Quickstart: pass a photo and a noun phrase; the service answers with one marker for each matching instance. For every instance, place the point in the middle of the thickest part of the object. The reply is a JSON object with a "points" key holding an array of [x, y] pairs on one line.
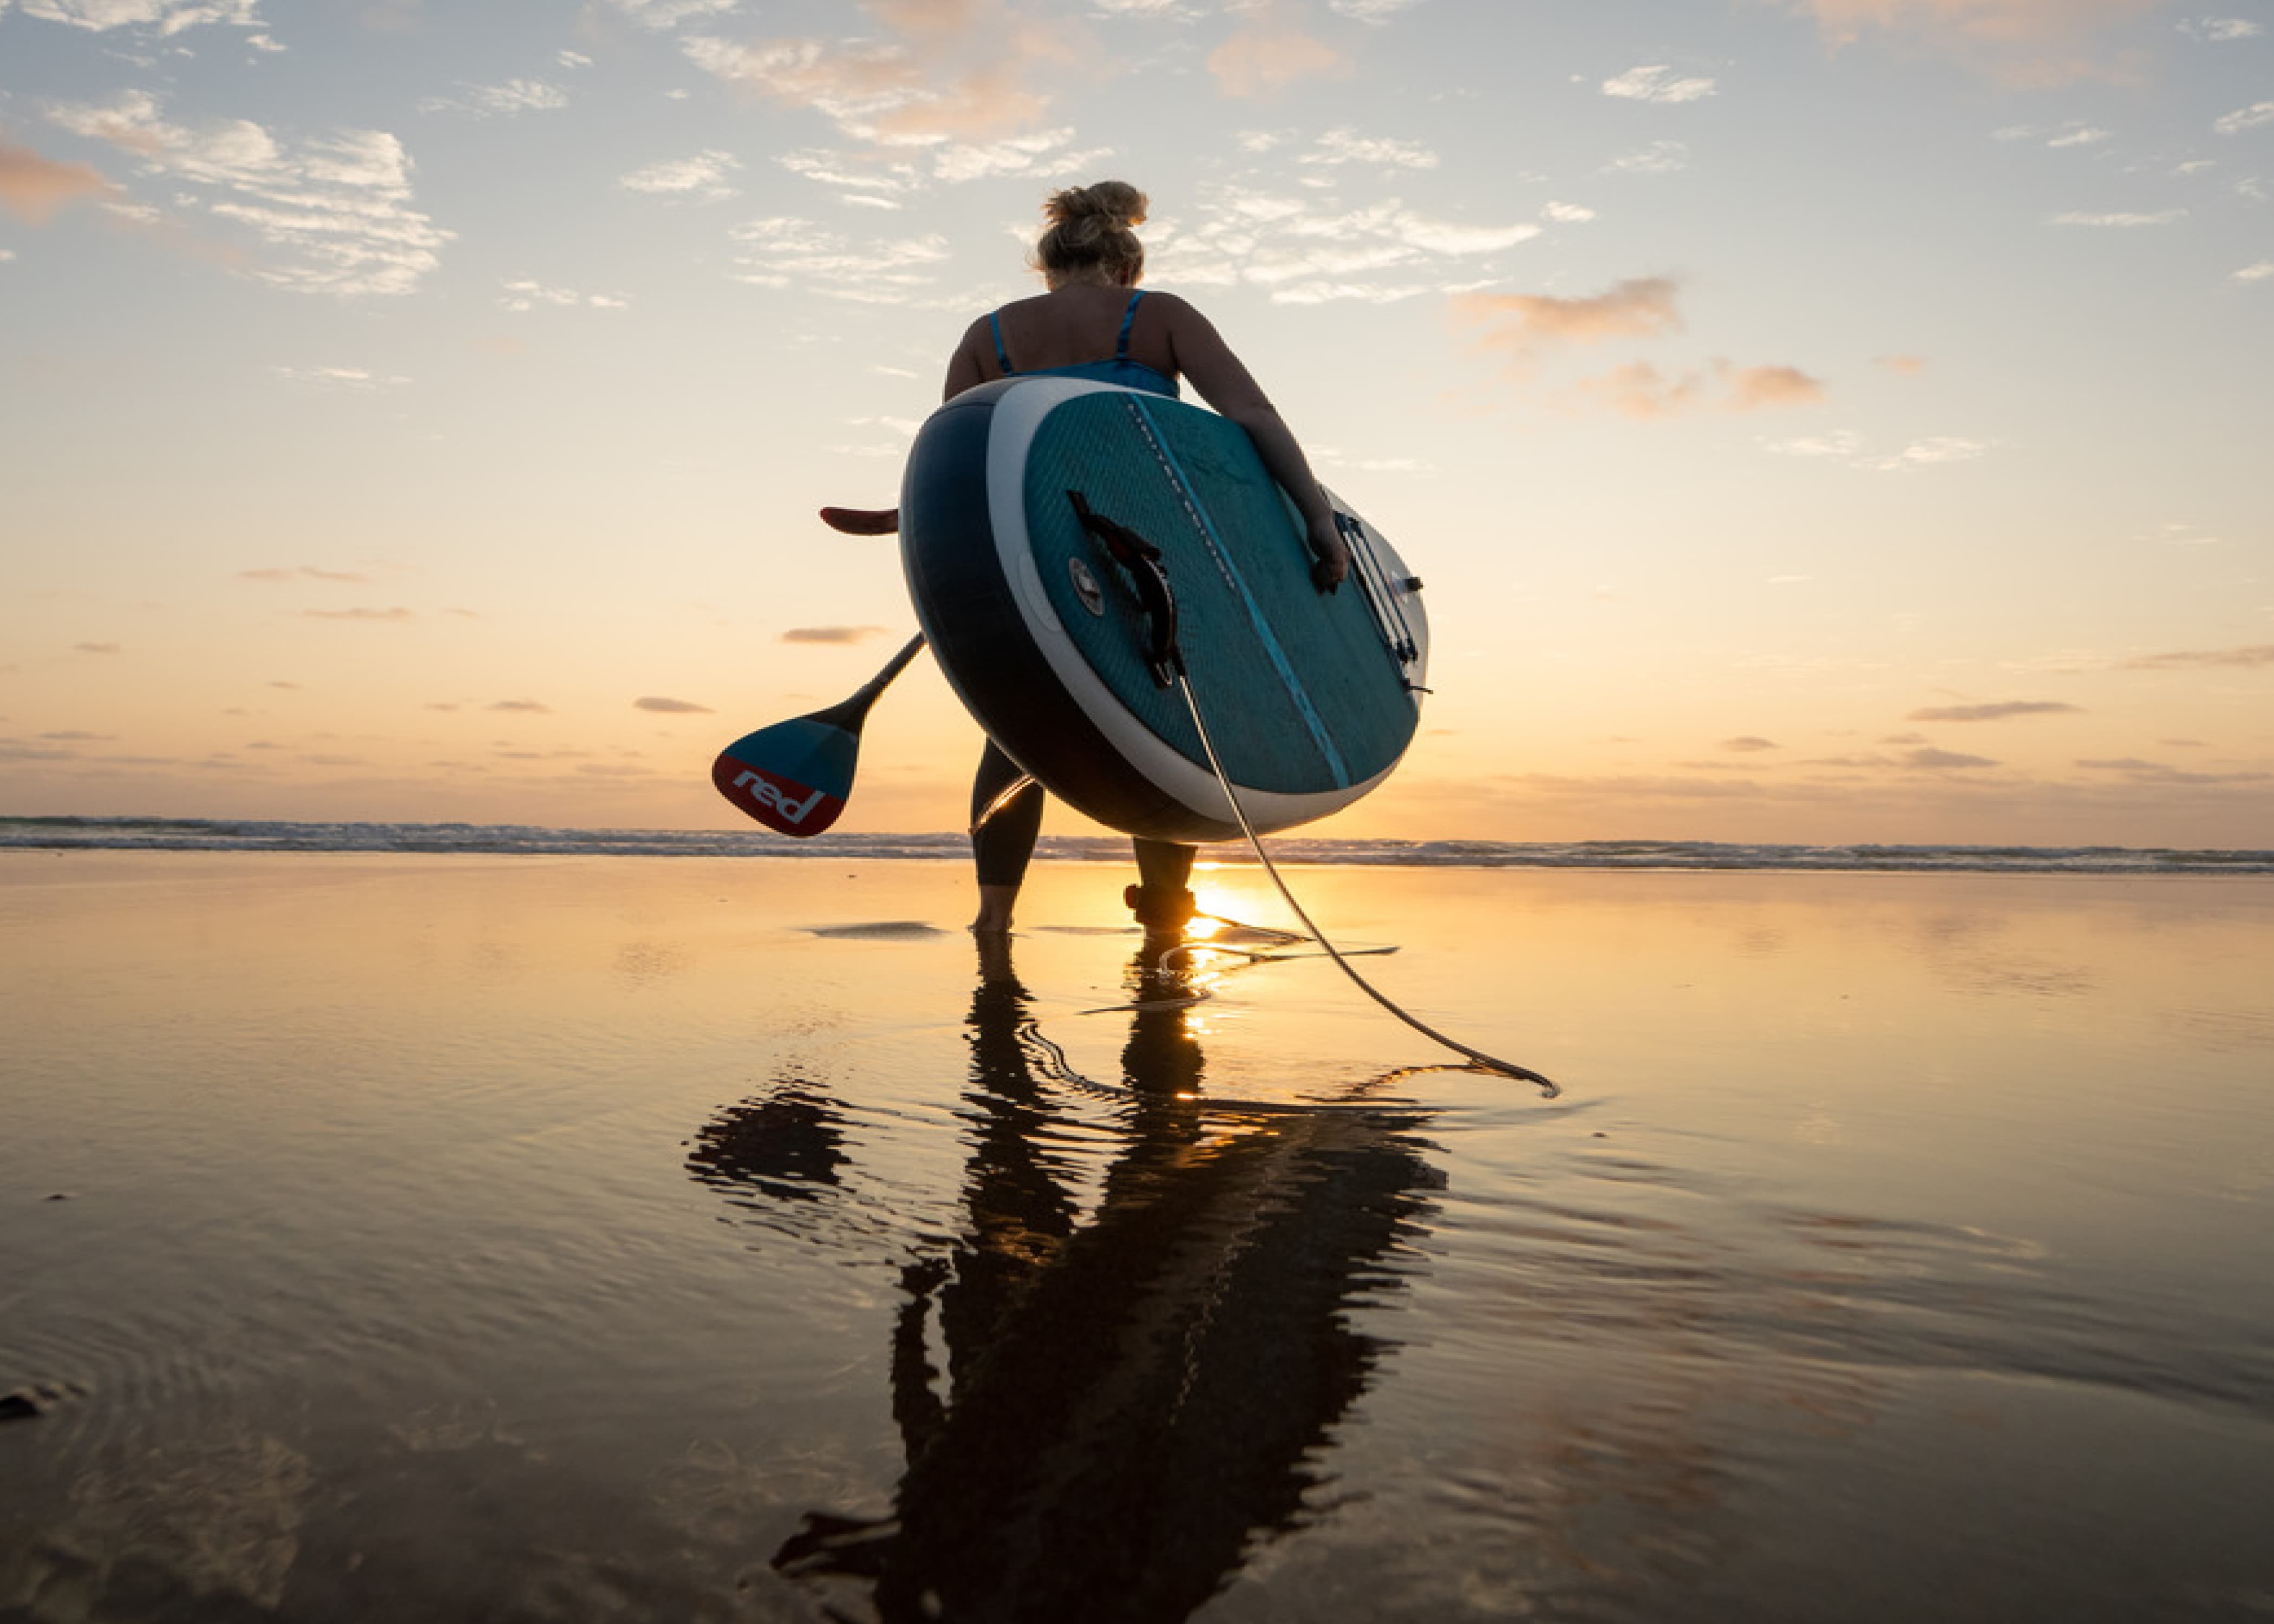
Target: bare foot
{"points": [[995, 905]]}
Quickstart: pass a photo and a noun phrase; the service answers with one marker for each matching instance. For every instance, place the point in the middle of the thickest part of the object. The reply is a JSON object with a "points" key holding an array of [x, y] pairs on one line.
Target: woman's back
{"points": [[1080, 324]]}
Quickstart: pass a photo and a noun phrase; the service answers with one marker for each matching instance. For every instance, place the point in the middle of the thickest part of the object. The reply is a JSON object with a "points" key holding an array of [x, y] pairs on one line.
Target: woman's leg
{"points": [[1162, 900], [1001, 844]]}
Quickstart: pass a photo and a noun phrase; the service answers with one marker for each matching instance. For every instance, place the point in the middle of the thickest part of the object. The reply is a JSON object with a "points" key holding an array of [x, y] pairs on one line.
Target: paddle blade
{"points": [[793, 777]]}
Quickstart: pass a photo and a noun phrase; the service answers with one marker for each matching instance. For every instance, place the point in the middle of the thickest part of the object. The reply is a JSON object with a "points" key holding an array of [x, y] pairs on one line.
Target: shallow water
{"points": [[591, 1238]]}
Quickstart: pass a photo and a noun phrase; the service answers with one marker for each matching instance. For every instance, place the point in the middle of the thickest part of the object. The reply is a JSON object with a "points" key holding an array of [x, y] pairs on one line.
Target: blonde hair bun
{"points": [[1091, 234], [1114, 203]]}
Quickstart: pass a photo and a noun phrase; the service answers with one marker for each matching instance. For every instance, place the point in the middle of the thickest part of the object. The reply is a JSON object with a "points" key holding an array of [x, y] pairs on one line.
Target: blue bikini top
{"points": [[1121, 370]]}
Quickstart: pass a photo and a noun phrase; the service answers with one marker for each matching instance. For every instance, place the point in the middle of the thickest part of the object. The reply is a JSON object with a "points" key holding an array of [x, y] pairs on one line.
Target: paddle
{"points": [[795, 776], [863, 520]]}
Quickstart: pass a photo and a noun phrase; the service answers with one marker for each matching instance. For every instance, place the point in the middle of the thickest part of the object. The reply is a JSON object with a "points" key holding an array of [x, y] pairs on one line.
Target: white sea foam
{"points": [[245, 835]]}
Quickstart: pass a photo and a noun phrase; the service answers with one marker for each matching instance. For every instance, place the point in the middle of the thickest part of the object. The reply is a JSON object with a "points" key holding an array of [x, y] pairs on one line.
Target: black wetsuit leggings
{"points": [[1002, 844]]}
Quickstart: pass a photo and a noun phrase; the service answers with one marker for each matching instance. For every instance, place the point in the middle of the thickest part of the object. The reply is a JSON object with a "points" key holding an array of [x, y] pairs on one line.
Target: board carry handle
{"points": [[1141, 561], [1381, 596]]}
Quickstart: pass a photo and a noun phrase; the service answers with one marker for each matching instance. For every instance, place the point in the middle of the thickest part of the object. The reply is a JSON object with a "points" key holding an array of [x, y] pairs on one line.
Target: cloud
{"points": [[2119, 222], [1265, 59], [783, 250], [969, 69], [531, 706], [2259, 272], [1905, 365], [1567, 214], [34, 188], [1658, 158], [359, 380], [2219, 30], [1376, 12], [1931, 452], [164, 18], [702, 177], [1747, 743], [359, 614], [2141, 771], [1345, 146], [1928, 759], [831, 634], [2258, 654], [1996, 712], [2246, 118], [95, 648], [1522, 324], [1656, 83], [2020, 42], [336, 207], [515, 95], [526, 294], [1845, 447], [1640, 390], [662, 15], [307, 570], [1046, 154], [670, 707], [1753, 388], [1305, 249], [2071, 134]]}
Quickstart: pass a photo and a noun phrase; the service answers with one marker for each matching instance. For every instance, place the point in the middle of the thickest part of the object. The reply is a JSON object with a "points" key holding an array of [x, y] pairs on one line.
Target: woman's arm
{"points": [[1226, 383], [966, 368]]}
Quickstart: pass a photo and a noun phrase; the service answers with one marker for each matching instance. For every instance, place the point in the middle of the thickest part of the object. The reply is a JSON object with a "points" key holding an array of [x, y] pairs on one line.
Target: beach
{"points": [[571, 1237]]}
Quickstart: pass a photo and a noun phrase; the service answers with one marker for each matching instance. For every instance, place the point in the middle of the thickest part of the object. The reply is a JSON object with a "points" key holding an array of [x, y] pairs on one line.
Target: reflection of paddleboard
{"points": [[1050, 639]]}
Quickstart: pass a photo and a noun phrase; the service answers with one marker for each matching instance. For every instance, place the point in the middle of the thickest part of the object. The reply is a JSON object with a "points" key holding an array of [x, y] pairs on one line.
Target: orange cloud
{"points": [[831, 634], [1522, 323], [1264, 60], [1752, 387], [2021, 41], [2256, 654], [1996, 711], [34, 188], [1640, 390], [948, 69]]}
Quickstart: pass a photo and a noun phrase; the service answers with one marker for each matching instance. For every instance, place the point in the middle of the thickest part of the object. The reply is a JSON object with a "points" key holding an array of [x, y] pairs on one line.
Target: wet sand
{"points": [[687, 1239]]}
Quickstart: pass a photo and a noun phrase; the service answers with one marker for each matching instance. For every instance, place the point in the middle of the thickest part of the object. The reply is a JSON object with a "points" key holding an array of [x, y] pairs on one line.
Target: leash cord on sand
{"points": [[1240, 814]]}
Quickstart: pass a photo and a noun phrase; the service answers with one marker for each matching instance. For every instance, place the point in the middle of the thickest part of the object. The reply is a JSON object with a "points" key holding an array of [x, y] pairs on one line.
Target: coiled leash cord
{"points": [[1146, 573], [1476, 1056]]}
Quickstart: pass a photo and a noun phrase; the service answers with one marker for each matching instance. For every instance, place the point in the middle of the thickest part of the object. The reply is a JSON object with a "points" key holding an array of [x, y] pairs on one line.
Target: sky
{"points": [[1816, 420]]}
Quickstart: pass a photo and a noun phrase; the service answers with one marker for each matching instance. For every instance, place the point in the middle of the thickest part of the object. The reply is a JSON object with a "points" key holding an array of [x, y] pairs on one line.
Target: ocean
{"points": [[197, 834]]}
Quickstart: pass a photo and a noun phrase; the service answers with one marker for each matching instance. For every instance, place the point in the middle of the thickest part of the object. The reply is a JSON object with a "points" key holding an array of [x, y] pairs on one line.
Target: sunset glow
{"points": [[1815, 420]]}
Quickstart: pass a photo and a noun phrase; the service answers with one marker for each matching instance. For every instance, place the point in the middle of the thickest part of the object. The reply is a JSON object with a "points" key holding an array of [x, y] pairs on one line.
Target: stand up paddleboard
{"points": [[1066, 542]]}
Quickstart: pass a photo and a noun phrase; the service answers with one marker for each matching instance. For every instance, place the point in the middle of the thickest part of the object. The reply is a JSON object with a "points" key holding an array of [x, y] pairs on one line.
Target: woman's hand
{"points": [[863, 520], [1330, 560]]}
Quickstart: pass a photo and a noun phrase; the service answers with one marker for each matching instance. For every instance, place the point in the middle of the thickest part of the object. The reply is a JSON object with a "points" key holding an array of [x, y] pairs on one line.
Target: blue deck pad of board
{"points": [[1299, 691]]}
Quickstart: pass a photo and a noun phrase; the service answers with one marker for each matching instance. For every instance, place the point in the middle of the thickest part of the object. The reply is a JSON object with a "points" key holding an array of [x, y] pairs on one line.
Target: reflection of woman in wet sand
{"points": [[1132, 1395]]}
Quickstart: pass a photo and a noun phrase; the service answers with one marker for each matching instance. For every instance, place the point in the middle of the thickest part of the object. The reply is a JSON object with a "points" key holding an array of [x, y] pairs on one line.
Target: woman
{"points": [[1094, 323]]}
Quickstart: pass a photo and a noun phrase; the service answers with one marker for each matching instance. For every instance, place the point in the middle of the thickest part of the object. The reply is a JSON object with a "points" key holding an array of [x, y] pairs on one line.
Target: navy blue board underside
{"points": [[1301, 695]]}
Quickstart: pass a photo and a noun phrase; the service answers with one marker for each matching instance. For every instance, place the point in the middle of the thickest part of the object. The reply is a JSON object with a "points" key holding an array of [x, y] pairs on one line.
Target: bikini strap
{"points": [[1128, 317], [1002, 356]]}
